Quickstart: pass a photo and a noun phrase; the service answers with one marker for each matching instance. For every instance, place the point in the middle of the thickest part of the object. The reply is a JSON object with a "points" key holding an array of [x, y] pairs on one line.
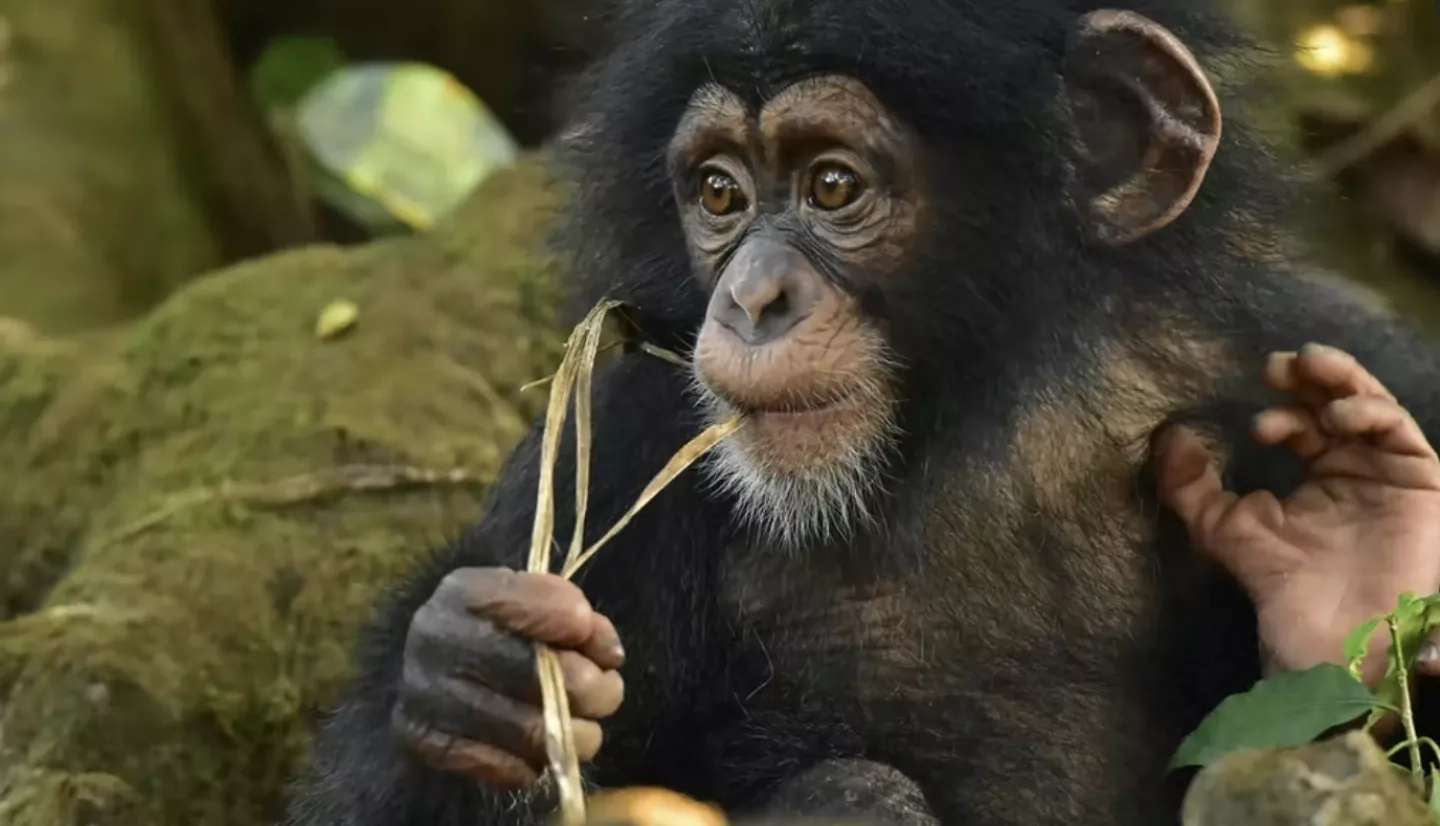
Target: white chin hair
{"points": [[794, 510]]}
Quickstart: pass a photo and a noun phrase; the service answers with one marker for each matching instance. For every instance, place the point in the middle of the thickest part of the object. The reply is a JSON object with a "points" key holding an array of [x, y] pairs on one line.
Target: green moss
{"points": [[43, 516], [218, 565]]}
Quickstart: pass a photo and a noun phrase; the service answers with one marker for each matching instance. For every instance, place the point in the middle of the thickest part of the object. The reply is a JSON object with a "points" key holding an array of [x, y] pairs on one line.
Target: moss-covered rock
{"points": [[211, 498], [1342, 781]]}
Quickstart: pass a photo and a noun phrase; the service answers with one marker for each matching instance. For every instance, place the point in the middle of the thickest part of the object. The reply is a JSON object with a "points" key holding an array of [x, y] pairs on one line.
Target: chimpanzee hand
{"points": [[1363, 528], [469, 699]]}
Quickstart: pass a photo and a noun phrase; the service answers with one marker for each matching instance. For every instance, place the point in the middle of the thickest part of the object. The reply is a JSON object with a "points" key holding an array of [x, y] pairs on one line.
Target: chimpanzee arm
{"points": [[654, 581]]}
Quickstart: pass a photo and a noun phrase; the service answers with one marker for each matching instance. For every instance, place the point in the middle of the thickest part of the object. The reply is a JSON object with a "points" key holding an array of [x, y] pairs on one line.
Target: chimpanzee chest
{"points": [[831, 637], [955, 627], [886, 657], [991, 653]]}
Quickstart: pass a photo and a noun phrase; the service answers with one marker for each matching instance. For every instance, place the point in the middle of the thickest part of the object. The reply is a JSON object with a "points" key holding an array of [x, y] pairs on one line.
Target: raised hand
{"points": [[1339, 551], [469, 699]]}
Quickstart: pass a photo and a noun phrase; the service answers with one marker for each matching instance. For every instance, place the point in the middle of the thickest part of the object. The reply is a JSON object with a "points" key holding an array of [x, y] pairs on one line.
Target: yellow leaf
{"points": [[337, 317]]}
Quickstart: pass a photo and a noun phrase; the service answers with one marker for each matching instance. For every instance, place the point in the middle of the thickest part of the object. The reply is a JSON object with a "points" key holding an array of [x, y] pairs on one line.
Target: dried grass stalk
{"points": [[576, 373]]}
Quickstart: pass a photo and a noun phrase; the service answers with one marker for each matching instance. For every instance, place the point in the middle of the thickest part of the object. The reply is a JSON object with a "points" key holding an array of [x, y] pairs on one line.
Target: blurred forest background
{"points": [[270, 289]]}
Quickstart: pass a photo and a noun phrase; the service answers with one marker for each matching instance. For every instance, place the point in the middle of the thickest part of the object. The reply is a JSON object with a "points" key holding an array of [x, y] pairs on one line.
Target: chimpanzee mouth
{"points": [[818, 410], [793, 409], [803, 469]]}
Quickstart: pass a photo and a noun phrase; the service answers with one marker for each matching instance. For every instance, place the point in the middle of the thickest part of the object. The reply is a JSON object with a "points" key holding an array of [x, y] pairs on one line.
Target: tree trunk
{"points": [[96, 217], [255, 206]]}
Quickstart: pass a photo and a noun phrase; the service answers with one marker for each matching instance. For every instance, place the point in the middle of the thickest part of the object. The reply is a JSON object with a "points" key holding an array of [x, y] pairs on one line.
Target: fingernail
{"points": [[618, 651]]}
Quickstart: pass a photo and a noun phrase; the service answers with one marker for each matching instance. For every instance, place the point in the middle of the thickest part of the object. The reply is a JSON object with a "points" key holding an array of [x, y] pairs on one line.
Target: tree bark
{"points": [[96, 217], [255, 205]]}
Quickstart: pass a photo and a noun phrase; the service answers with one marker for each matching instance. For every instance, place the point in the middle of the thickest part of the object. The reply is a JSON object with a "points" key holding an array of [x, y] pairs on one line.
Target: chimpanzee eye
{"points": [[720, 194], [833, 187]]}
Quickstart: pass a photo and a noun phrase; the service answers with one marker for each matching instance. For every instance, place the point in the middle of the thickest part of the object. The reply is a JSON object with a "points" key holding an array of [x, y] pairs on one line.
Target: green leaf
{"points": [[1408, 606], [1289, 709], [399, 145], [1357, 645], [1415, 619], [290, 67]]}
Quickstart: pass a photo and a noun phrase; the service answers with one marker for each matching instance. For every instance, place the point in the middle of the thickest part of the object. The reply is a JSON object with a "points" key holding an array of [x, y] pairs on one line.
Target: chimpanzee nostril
{"points": [[756, 295], [778, 308], [761, 309], [767, 289]]}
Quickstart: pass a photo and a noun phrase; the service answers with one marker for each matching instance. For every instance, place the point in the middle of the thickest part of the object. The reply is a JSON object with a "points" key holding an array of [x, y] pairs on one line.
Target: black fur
{"points": [[1006, 306]]}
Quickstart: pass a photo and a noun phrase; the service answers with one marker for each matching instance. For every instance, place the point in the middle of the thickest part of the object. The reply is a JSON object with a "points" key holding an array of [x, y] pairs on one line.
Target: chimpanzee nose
{"points": [[768, 288]]}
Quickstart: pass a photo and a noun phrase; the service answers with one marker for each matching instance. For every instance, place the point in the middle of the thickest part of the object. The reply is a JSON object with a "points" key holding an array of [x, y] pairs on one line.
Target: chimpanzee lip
{"points": [[795, 408], [726, 400]]}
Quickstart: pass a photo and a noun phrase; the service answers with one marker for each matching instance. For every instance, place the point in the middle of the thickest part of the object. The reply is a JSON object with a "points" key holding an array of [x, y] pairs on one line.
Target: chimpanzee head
{"points": [[855, 215]]}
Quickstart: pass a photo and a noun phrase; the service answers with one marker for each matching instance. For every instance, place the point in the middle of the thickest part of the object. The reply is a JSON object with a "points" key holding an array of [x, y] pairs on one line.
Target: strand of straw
{"points": [[576, 372]]}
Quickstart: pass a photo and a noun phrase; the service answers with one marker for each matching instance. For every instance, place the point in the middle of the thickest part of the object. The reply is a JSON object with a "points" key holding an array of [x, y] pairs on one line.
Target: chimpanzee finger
{"points": [[1189, 483], [448, 753], [1279, 371], [1280, 375], [1295, 427], [444, 643], [1383, 421], [604, 645], [540, 607], [1337, 372], [593, 693], [475, 712]]}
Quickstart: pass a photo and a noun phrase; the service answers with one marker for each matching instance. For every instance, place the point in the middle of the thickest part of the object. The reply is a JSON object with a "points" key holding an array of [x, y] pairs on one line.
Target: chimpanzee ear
{"points": [[1146, 121]]}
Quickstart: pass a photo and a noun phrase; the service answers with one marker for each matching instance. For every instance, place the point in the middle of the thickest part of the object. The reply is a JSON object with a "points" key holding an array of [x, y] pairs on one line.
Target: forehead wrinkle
{"points": [[714, 116], [833, 104]]}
